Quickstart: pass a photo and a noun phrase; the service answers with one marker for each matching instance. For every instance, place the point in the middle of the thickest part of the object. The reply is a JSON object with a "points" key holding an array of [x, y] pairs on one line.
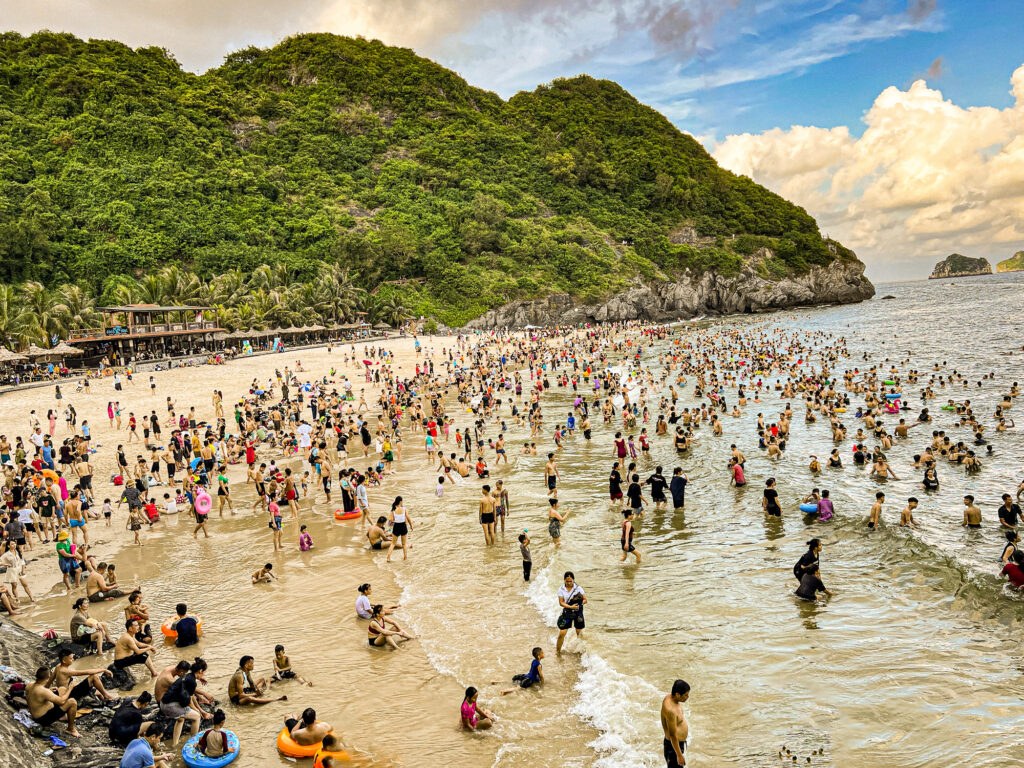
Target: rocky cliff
{"points": [[24, 652], [841, 282], [958, 265], [1013, 264]]}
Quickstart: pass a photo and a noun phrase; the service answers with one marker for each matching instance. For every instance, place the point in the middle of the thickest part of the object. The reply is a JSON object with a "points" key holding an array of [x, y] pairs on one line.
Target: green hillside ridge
{"points": [[344, 165], [1013, 264]]}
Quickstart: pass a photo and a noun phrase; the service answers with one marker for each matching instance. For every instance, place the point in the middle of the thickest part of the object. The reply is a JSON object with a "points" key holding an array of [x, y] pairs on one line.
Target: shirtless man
{"points": [[551, 476], [98, 588], [486, 512], [84, 471], [243, 690], [876, 510], [166, 677], [674, 725], [76, 518], [882, 468], [47, 707], [972, 515], [307, 731], [377, 535], [128, 651], [62, 676], [907, 515]]}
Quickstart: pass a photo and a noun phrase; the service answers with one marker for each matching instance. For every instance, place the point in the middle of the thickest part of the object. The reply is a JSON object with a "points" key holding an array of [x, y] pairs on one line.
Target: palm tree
{"points": [[76, 308], [228, 288], [38, 320], [391, 310]]}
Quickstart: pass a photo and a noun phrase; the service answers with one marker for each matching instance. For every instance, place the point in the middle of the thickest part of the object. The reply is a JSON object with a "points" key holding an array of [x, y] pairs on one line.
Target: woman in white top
{"points": [[401, 524], [15, 574]]}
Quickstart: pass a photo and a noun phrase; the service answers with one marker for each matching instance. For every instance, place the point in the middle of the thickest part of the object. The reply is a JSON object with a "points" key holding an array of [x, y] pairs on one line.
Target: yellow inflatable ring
{"points": [[318, 760], [288, 746], [168, 632]]}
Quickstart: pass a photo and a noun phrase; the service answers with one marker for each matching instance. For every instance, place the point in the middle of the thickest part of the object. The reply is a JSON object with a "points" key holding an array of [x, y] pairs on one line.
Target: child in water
{"points": [[535, 675], [283, 668], [305, 540]]}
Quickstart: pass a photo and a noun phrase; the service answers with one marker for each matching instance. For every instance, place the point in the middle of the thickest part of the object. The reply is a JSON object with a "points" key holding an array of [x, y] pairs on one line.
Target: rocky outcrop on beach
{"points": [[25, 652], [958, 265], [1013, 264], [841, 282]]}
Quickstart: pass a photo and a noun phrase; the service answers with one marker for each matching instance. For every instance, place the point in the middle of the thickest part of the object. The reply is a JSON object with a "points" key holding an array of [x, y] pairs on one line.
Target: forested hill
{"points": [[345, 153]]}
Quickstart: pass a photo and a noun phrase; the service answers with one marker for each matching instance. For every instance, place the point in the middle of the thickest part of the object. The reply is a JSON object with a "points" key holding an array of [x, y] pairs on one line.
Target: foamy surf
{"points": [[623, 708]]}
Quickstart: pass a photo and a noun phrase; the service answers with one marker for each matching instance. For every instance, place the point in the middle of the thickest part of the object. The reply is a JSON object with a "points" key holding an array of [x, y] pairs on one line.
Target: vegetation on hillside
{"points": [[353, 172]]}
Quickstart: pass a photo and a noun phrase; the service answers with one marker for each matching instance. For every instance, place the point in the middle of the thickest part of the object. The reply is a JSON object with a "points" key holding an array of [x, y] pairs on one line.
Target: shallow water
{"points": [[915, 662]]}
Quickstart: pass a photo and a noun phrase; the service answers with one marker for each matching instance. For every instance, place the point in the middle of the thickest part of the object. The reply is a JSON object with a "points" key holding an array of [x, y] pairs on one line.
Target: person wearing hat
{"points": [[67, 561]]}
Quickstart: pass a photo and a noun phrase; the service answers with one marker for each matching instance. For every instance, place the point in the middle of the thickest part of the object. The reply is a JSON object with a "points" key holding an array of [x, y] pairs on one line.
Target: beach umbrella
{"points": [[34, 351], [316, 328], [220, 336], [6, 356], [65, 350]]}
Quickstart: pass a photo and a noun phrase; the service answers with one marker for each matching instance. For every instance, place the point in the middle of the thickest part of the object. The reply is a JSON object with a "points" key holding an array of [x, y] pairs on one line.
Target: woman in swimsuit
{"points": [[555, 520], [401, 524]]}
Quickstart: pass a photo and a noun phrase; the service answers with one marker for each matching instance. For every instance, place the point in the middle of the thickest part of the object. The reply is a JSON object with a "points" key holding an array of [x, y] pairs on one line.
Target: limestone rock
{"points": [[841, 282], [958, 265]]}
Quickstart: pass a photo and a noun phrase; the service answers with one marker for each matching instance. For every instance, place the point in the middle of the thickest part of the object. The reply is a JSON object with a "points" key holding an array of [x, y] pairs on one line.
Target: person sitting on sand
{"points": [[377, 632], [283, 668], [377, 534], [98, 589], [264, 574], [243, 690], [85, 630]]}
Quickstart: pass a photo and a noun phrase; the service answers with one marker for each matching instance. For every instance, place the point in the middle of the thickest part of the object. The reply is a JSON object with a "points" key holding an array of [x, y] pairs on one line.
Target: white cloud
{"points": [[927, 176]]}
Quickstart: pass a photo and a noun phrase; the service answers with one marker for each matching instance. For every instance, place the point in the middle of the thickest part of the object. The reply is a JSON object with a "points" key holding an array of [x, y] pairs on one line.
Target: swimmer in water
{"points": [[907, 515], [972, 515], [876, 511]]}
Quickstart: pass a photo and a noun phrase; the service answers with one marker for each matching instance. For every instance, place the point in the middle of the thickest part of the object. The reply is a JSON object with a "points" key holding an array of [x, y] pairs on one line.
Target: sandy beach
{"points": [[384, 704]]}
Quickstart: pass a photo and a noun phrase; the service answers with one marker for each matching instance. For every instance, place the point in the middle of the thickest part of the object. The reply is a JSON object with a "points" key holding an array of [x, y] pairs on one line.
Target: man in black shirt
{"points": [[658, 485], [1009, 512], [810, 586], [678, 488], [127, 724]]}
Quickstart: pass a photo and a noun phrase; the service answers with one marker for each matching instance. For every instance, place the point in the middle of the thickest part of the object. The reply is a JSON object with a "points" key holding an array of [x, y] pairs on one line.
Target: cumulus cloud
{"points": [[926, 177]]}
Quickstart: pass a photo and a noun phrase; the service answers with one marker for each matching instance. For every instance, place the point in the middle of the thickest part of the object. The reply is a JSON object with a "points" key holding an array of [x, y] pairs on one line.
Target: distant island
{"points": [[958, 265], [1013, 264]]}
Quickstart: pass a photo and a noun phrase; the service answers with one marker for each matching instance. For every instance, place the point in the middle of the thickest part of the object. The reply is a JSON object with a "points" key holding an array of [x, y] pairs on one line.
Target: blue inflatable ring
{"points": [[808, 507], [894, 395], [195, 759]]}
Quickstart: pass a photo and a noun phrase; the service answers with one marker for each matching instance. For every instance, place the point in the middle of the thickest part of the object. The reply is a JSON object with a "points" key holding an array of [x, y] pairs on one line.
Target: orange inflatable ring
{"points": [[318, 760], [340, 514], [168, 632], [288, 746]]}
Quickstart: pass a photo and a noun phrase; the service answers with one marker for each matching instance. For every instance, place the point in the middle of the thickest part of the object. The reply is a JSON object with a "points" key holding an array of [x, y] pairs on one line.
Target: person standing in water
{"points": [[551, 475], [486, 514], [674, 725], [401, 524], [572, 599]]}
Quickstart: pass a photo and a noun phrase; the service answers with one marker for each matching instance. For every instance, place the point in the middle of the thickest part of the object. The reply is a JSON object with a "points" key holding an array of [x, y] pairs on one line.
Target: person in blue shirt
{"points": [[570, 422], [535, 675], [139, 753]]}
